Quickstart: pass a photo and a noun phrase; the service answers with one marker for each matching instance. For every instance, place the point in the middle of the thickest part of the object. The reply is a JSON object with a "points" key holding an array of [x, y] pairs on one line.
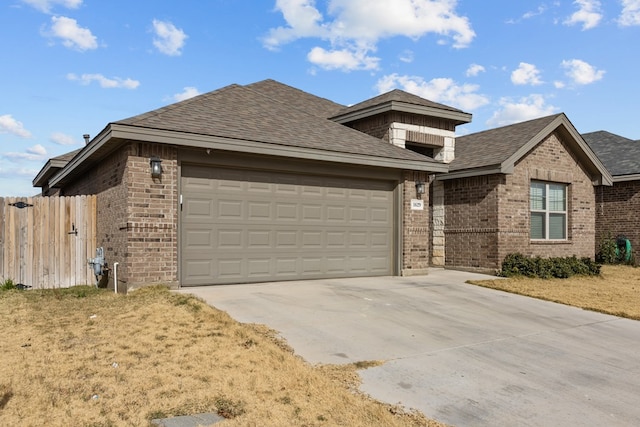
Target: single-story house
{"points": [[618, 206], [266, 182]]}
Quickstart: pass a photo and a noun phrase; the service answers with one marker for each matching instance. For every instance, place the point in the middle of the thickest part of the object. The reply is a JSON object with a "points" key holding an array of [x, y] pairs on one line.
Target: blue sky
{"points": [[70, 67]]}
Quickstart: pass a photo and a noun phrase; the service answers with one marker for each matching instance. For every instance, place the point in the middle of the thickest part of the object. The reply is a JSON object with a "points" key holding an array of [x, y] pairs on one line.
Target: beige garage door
{"points": [[240, 226]]}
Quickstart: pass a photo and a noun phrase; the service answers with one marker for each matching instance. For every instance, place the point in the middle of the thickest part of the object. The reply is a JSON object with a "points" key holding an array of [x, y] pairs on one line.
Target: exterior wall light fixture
{"points": [[420, 188], [156, 167]]}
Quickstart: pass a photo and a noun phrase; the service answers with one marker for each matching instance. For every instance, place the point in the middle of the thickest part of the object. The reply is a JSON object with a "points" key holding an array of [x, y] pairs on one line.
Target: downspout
{"points": [[115, 277]]}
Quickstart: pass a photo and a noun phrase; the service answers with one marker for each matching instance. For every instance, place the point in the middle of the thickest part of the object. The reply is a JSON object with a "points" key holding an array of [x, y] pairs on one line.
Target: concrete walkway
{"points": [[461, 354]]}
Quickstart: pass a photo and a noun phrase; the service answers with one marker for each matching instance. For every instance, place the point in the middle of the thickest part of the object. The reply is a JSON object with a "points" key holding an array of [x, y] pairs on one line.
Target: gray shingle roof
{"points": [[297, 98], [494, 146], [620, 155], [269, 113], [396, 95]]}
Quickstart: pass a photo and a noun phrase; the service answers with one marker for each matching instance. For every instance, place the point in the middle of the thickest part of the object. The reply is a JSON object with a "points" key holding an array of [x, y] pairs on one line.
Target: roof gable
{"points": [[398, 100], [620, 155], [498, 150]]}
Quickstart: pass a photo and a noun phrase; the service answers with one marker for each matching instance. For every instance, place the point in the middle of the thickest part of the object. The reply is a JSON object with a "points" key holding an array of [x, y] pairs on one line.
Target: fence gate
{"points": [[45, 241]]}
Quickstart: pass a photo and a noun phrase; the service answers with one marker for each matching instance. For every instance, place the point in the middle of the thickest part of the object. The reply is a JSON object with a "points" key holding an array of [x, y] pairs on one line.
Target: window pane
{"points": [[557, 226], [536, 196], [537, 225], [557, 198]]}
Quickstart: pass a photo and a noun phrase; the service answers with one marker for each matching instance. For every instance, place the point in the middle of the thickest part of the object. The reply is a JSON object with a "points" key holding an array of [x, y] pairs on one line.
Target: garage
{"points": [[243, 226]]}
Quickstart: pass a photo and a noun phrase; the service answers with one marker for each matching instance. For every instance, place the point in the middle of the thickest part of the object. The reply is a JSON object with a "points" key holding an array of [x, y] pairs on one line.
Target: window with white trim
{"points": [[548, 205]]}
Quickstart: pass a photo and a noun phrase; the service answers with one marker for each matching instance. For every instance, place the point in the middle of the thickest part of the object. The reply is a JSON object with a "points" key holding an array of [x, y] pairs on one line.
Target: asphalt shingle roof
{"points": [[494, 146], [270, 113], [395, 95], [620, 155]]}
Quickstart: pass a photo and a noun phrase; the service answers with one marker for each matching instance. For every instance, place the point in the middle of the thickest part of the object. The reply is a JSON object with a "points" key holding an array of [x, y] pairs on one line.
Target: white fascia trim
{"points": [[626, 178]]}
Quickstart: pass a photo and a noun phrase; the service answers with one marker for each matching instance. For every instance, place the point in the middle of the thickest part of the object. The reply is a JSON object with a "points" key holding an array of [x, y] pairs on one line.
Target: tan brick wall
{"points": [[152, 219], [618, 213], [137, 215], [471, 218], [488, 217], [415, 228]]}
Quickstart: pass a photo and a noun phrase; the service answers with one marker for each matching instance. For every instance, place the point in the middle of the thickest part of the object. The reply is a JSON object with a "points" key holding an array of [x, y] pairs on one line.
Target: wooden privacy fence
{"points": [[45, 241]]}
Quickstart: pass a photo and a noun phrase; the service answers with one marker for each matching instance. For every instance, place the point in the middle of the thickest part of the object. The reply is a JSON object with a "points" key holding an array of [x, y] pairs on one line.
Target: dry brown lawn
{"points": [[616, 291], [87, 357]]}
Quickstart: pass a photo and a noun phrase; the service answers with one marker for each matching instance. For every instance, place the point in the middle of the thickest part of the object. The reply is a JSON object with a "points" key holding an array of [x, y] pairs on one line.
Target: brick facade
{"points": [[415, 227], [137, 218], [617, 213], [379, 125], [487, 217]]}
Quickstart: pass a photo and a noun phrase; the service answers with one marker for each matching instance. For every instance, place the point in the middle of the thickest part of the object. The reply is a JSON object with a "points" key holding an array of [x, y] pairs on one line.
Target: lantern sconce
{"points": [[156, 167], [420, 188]]}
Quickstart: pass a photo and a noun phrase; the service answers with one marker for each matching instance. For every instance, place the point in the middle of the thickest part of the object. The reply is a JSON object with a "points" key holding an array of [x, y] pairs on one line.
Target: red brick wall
{"points": [[619, 213], [415, 228], [488, 217]]}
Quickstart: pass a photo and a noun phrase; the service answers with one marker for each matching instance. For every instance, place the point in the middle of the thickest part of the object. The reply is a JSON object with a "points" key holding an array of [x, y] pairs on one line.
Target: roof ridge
{"points": [[512, 125]]}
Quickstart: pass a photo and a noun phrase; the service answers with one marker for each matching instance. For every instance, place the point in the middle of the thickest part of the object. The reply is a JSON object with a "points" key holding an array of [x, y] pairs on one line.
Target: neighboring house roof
{"points": [[498, 150], [620, 155], [52, 166], [398, 100], [263, 118]]}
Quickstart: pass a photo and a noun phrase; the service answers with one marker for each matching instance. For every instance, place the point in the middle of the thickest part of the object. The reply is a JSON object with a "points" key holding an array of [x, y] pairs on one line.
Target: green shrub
{"points": [[610, 253], [7, 285], [546, 268]]}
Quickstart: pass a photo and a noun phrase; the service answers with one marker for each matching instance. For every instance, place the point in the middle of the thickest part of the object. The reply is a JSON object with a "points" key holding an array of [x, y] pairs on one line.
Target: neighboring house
{"points": [[266, 182], [619, 205], [527, 187]]}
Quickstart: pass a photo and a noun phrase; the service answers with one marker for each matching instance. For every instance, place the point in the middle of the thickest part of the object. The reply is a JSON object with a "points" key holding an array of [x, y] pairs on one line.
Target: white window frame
{"points": [[546, 211]]}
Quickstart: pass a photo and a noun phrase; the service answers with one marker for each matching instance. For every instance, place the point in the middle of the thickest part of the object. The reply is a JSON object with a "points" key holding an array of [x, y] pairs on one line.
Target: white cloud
{"points": [[188, 92], [46, 5], [72, 35], [630, 14], [558, 84], [474, 70], [104, 82], [169, 39], [527, 108], [581, 72], [526, 74], [357, 25], [343, 59], [10, 125], [62, 139], [37, 152], [407, 56], [442, 90], [589, 14]]}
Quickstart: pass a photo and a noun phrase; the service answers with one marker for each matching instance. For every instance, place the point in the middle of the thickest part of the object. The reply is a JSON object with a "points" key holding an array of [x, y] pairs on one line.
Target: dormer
{"points": [[407, 121]]}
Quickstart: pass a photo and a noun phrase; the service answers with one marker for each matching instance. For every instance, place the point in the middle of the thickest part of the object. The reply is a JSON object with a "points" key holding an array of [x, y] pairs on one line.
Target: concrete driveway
{"points": [[461, 354]]}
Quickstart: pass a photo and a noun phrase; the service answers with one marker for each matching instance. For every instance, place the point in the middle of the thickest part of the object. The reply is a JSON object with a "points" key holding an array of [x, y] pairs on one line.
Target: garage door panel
{"points": [[247, 226], [229, 209]]}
